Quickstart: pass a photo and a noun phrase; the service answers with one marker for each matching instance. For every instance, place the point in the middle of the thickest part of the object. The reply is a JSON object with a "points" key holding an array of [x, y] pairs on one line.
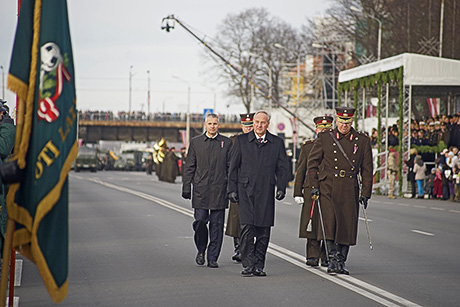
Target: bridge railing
{"points": [[157, 116]]}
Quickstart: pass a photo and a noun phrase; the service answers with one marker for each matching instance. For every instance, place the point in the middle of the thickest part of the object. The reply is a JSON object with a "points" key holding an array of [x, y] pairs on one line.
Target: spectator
{"points": [[419, 170], [410, 171], [429, 183]]}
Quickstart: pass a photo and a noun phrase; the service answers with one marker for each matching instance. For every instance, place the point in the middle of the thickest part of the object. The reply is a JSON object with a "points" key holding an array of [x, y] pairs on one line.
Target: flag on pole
{"points": [[42, 75], [433, 106]]}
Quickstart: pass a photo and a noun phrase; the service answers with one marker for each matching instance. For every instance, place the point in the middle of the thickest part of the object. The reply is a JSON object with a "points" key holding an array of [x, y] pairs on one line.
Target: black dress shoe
{"points": [[312, 262], [259, 272], [324, 263], [237, 256], [212, 264], [341, 269], [246, 272], [199, 258]]}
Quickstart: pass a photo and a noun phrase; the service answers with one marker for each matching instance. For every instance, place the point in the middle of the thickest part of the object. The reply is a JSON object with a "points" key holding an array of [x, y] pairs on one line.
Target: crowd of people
{"points": [[433, 167], [156, 116]]}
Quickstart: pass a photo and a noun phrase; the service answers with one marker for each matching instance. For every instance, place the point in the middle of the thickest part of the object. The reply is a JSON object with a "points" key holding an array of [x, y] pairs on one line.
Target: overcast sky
{"points": [[110, 36]]}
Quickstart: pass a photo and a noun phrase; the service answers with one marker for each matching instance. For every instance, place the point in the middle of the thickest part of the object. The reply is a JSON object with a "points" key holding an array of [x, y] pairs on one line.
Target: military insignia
{"points": [[53, 73], [355, 148]]}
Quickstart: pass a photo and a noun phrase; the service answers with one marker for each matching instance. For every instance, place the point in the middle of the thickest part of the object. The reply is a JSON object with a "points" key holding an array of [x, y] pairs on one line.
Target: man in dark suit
{"points": [[258, 164], [233, 220], [208, 159], [333, 178], [309, 214]]}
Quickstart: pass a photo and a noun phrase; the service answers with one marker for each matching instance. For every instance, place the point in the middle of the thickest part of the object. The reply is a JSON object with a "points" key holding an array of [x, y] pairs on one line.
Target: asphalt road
{"points": [[131, 244]]}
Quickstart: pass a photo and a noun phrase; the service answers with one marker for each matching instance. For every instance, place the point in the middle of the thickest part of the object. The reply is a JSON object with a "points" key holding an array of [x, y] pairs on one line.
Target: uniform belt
{"points": [[340, 173]]}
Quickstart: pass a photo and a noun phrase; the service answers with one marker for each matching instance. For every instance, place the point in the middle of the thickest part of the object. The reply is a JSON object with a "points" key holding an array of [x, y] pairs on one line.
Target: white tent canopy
{"points": [[418, 70]]}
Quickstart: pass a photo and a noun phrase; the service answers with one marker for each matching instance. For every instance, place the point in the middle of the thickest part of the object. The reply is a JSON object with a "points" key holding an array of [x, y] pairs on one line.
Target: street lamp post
{"points": [[294, 121], [148, 95], [379, 42], [187, 126], [130, 81]]}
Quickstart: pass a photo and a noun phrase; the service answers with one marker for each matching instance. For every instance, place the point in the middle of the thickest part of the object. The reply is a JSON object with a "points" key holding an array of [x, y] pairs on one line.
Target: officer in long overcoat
{"points": [[258, 165], [208, 160], [233, 219], [302, 196], [336, 184]]}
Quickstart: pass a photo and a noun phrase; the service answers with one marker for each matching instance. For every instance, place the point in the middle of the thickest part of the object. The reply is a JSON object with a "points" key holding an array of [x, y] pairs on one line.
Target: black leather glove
{"points": [[186, 194], [233, 197], [314, 193], [363, 200], [280, 195]]}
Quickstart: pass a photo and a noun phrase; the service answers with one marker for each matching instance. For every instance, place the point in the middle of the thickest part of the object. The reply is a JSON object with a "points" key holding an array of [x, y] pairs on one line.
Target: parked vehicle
{"points": [[86, 159]]}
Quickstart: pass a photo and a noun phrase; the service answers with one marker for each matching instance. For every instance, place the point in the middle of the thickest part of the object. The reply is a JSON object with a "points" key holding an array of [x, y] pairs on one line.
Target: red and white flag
{"points": [[371, 110], [433, 106]]}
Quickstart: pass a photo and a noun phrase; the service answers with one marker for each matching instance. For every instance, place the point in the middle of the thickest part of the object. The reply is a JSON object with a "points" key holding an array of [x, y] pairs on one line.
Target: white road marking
{"points": [[423, 232], [402, 205], [15, 301], [438, 209], [18, 272], [418, 206], [454, 211], [369, 291]]}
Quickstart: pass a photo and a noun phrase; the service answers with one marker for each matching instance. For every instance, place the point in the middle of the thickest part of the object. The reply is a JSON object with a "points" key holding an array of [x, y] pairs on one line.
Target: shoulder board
{"points": [[308, 141], [326, 130]]}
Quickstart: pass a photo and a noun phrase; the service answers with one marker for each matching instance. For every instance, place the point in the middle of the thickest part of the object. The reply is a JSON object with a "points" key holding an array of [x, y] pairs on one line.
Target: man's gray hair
{"points": [[212, 115], [263, 112]]}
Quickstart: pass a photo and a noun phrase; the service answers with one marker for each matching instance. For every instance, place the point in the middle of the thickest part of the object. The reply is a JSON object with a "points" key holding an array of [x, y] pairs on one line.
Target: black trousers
{"points": [[253, 245], [215, 218]]}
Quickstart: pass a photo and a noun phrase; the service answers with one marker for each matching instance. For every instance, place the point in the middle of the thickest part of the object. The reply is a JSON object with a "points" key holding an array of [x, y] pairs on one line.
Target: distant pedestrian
{"points": [[419, 170]]}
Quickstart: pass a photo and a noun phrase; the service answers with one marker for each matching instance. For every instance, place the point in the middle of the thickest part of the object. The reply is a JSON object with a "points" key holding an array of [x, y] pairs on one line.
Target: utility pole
{"points": [[130, 79], [148, 95]]}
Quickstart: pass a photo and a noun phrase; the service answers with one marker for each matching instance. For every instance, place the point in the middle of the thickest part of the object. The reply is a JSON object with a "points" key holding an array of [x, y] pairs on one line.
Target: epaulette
{"points": [[308, 141], [326, 130]]}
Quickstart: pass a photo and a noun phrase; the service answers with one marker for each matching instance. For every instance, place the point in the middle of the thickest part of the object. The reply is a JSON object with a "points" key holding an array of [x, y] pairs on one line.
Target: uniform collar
{"points": [[349, 136]]}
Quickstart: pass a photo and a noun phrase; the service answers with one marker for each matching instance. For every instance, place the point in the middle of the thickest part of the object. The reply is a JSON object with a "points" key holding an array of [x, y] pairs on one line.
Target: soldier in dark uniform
{"points": [[302, 192], [336, 184], [233, 220]]}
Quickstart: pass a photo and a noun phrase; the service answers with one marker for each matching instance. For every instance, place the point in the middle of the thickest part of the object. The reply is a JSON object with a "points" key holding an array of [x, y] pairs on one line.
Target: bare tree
{"points": [[407, 26], [247, 40]]}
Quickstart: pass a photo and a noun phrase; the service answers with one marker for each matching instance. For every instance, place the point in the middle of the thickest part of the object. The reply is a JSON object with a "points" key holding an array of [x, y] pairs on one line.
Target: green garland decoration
{"points": [[378, 79]]}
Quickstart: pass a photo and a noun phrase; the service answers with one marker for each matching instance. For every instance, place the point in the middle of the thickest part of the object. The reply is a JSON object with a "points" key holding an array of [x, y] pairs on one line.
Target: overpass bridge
{"points": [[92, 131]]}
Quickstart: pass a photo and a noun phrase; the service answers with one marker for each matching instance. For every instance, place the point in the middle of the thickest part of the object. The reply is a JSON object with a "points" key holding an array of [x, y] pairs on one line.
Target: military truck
{"points": [[86, 159]]}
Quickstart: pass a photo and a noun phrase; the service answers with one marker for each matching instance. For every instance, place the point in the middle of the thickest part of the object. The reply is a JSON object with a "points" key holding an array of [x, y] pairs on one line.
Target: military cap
{"points": [[247, 119], [421, 124], [323, 121], [345, 114]]}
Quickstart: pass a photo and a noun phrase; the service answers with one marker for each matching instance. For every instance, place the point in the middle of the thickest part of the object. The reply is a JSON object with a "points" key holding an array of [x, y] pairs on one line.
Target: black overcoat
{"points": [[206, 169], [255, 170]]}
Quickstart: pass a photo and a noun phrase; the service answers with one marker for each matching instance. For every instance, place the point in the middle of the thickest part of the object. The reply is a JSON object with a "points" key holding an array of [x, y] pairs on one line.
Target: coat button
{"points": [[335, 159], [336, 175], [336, 167], [335, 151], [333, 144]]}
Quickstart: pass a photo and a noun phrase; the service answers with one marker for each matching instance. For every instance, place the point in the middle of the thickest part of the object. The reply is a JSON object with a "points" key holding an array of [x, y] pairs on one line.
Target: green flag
{"points": [[42, 75]]}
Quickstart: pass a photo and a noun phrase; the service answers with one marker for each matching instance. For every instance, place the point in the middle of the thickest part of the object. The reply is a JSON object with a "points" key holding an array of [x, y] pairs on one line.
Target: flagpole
{"points": [[6, 259]]}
